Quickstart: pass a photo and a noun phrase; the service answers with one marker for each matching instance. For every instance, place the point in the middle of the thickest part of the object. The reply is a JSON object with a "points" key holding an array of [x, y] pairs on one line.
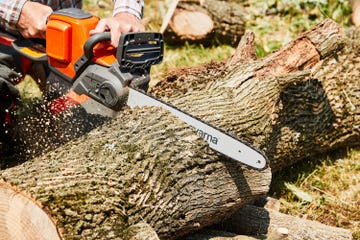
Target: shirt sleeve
{"points": [[10, 13], [134, 7]]}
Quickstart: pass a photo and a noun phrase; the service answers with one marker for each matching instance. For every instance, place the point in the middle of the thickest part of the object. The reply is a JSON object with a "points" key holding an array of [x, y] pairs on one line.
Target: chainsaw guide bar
{"points": [[217, 139]]}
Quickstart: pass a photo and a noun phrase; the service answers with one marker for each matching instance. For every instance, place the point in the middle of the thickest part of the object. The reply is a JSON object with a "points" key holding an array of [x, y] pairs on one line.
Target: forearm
{"points": [[134, 7], [10, 12]]}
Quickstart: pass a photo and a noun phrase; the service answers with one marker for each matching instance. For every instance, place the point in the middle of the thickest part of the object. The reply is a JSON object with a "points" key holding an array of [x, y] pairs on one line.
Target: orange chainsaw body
{"points": [[66, 34]]}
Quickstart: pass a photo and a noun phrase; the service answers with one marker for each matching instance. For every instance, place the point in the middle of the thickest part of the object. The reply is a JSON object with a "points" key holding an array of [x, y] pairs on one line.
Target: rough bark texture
{"points": [[147, 166], [144, 165], [252, 220], [295, 103], [212, 22]]}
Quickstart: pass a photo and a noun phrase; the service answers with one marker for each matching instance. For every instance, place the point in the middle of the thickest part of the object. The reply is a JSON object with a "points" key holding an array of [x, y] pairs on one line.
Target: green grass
{"points": [[278, 22], [333, 184]]}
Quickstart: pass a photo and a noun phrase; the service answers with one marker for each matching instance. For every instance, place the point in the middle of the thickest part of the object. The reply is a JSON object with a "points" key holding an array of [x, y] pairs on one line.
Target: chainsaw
{"points": [[104, 79]]}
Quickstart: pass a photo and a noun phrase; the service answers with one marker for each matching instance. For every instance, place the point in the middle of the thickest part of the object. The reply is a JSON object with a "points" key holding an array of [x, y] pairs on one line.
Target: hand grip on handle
{"points": [[92, 41]]}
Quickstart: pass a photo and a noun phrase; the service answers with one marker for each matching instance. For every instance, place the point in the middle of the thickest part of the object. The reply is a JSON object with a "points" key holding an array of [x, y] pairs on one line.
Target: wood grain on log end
{"points": [[191, 25], [22, 218], [211, 234], [213, 22]]}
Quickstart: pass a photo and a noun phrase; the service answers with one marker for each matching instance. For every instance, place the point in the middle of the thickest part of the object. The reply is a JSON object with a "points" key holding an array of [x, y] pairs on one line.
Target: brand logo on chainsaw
{"points": [[208, 137]]}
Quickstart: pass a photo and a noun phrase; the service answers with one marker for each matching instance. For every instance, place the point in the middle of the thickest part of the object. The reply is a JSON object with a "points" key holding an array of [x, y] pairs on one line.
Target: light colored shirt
{"points": [[134, 7], [10, 10]]}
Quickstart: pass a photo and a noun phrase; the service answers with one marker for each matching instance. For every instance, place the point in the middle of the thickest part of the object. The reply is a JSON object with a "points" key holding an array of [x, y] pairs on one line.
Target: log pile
{"points": [[146, 168]]}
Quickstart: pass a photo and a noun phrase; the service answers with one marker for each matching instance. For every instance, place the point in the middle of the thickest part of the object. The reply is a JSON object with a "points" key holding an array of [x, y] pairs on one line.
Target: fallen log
{"points": [[298, 102], [147, 166], [211, 234], [253, 220], [144, 165], [206, 22]]}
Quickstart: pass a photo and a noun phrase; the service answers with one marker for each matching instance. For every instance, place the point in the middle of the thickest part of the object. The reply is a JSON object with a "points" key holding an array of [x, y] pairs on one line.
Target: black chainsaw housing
{"points": [[136, 53]]}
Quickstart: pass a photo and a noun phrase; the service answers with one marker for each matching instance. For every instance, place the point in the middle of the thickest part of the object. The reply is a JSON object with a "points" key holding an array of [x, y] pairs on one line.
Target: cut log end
{"points": [[191, 25], [22, 218]]}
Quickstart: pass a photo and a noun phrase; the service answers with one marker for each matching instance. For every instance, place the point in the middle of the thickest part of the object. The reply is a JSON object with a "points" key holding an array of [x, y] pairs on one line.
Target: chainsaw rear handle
{"points": [[137, 46], [92, 41], [88, 49]]}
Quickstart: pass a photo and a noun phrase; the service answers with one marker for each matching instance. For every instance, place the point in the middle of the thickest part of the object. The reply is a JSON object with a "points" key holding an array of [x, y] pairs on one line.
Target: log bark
{"points": [[293, 104], [147, 166], [207, 22], [253, 220]]}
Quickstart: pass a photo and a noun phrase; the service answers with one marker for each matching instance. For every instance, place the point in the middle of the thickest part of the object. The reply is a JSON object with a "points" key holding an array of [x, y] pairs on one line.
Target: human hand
{"points": [[356, 12], [121, 22], [32, 20]]}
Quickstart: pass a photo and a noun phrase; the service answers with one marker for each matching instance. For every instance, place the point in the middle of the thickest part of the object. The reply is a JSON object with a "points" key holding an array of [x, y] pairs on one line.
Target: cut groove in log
{"points": [[22, 218]]}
